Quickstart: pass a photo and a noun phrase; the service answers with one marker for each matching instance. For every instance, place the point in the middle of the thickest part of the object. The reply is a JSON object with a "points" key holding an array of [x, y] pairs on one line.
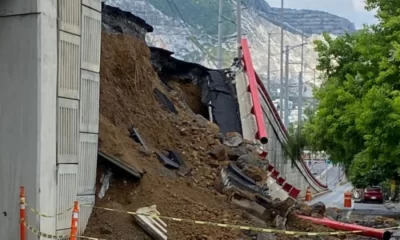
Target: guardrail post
{"points": [[74, 221], [22, 215]]}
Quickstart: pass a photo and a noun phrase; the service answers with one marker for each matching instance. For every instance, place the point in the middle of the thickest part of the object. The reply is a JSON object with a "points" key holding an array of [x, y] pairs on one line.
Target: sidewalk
{"points": [[395, 207]]}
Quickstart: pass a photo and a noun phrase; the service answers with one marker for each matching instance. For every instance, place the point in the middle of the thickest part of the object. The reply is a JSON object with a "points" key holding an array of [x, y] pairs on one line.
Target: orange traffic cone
{"points": [[308, 195], [74, 221]]}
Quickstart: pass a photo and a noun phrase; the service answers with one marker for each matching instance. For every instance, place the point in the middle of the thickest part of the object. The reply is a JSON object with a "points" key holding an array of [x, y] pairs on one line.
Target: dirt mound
{"points": [[126, 100]]}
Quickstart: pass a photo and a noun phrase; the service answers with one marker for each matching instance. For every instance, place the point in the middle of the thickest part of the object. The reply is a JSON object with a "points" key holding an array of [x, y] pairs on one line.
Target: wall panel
{"points": [[91, 39], [89, 104], [69, 65], [66, 193], [87, 163], [67, 131], [69, 14]]}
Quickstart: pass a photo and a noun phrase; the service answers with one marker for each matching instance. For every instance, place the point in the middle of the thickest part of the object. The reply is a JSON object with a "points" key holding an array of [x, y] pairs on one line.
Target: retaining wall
{"points": [[258, 117]]}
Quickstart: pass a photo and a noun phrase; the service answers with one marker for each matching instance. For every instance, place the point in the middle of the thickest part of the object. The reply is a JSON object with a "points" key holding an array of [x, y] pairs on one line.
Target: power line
{"points": [[191, 36]]}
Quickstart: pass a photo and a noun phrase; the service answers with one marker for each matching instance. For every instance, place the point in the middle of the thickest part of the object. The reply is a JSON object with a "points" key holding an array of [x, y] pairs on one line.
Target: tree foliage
{"points": [[295, 144], [357, 121]]}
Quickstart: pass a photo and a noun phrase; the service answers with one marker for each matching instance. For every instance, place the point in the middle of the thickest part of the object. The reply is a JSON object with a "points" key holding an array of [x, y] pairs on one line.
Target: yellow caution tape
{"points": [[232, 226], [223, 225], [50, 236], [390, 228], [45, 215]]}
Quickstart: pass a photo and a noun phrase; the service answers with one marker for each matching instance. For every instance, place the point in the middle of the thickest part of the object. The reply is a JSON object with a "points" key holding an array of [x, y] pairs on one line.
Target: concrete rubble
{"points": [[153, 225]]}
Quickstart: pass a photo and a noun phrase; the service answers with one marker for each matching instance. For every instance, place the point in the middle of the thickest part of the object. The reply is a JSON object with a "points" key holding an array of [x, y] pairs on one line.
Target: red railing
{"points": [[256, 87], [256, 109]]}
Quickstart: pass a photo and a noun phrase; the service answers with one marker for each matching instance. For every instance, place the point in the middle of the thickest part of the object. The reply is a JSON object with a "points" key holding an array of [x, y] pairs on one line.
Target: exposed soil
{"points": [[126, 100]]}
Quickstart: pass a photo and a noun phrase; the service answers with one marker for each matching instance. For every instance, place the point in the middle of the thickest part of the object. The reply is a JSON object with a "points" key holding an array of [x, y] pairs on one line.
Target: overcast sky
{"points": [[350, 9]]}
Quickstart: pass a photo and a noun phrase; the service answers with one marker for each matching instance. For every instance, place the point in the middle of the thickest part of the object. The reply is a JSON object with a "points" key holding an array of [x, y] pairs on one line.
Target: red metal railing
{"points": [[256, 109], [257, 89]]}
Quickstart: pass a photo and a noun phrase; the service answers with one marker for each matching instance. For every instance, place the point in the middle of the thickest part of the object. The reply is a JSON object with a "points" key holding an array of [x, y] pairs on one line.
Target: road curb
{"points": [[321, 193], [343, 183]]}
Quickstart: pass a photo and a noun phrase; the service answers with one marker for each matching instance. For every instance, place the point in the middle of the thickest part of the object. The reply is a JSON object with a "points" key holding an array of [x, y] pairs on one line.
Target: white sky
{"points": [[350, 9]]}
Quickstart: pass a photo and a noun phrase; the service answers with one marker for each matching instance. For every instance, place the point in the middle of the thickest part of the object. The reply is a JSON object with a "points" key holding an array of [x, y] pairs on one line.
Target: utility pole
{"points": [[269, 63], [300, 100], [281, 80], [314, 103], [239, 26], [220, 9], [286, 119]]}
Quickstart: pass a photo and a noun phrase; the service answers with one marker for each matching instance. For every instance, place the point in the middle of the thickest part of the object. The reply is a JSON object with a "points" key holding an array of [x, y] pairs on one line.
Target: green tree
{"points": [[357, 121]]}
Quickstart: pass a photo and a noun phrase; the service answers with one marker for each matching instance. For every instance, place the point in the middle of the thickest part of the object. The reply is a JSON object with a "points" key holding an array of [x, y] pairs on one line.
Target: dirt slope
{"points": [[126, 99]]}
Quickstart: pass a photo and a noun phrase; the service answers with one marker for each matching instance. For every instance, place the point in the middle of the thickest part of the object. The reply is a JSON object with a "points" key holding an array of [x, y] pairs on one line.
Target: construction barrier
{"points": [[74, 223], [347, 200], [22, 215]]}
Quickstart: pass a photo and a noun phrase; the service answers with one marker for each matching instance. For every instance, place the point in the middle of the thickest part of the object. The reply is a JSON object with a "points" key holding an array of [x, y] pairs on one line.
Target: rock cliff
{"points": [[189, 28]]}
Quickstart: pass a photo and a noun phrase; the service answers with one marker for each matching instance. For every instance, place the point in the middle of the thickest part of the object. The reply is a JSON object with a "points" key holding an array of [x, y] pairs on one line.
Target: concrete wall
{"points": [[295, 174], [48, 109], [79, 39], [28, 75]]}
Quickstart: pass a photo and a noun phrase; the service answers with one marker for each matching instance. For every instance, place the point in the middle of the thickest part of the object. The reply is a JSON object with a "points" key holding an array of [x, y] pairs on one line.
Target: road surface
{"points": [[318, 167], [336, 198]]}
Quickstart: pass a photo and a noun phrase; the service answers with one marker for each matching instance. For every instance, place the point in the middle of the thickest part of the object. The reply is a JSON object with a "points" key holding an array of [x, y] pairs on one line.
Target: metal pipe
{"points": [[364, 231]]}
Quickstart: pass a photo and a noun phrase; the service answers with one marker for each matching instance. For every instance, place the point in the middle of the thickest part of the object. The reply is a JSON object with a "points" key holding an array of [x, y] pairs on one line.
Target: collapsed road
{"points": [[153, 119]]}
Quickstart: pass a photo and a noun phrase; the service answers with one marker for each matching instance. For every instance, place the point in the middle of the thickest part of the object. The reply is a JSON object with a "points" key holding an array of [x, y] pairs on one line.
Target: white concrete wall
{"points": [[28, 75], [78, 105], [49, 110], [294, 174]]}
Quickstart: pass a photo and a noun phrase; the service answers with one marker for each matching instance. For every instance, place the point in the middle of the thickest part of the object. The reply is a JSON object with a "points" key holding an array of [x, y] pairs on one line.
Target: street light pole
{"points": [[286, 119], [300, 100], [239, 26], [269, 63], [219, 54], [281, 79]]}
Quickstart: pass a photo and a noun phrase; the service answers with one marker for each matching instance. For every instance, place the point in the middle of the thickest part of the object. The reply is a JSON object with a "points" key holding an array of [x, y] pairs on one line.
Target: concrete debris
{"points": [[105, 181], [318, 208], [152, 224], [332, 213], [233, 139], [235, 153], [218, 153], [249, 159], [266, 236], [279, 222], [256, 173]]}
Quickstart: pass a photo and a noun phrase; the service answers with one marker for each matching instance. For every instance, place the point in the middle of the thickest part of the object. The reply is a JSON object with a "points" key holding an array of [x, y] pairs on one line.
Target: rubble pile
{"points": [[126, 101], [188, 168]]}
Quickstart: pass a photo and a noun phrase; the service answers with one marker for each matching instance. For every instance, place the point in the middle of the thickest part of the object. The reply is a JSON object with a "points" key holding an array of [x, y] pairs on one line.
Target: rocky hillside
{"points": [[180, 28]]}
